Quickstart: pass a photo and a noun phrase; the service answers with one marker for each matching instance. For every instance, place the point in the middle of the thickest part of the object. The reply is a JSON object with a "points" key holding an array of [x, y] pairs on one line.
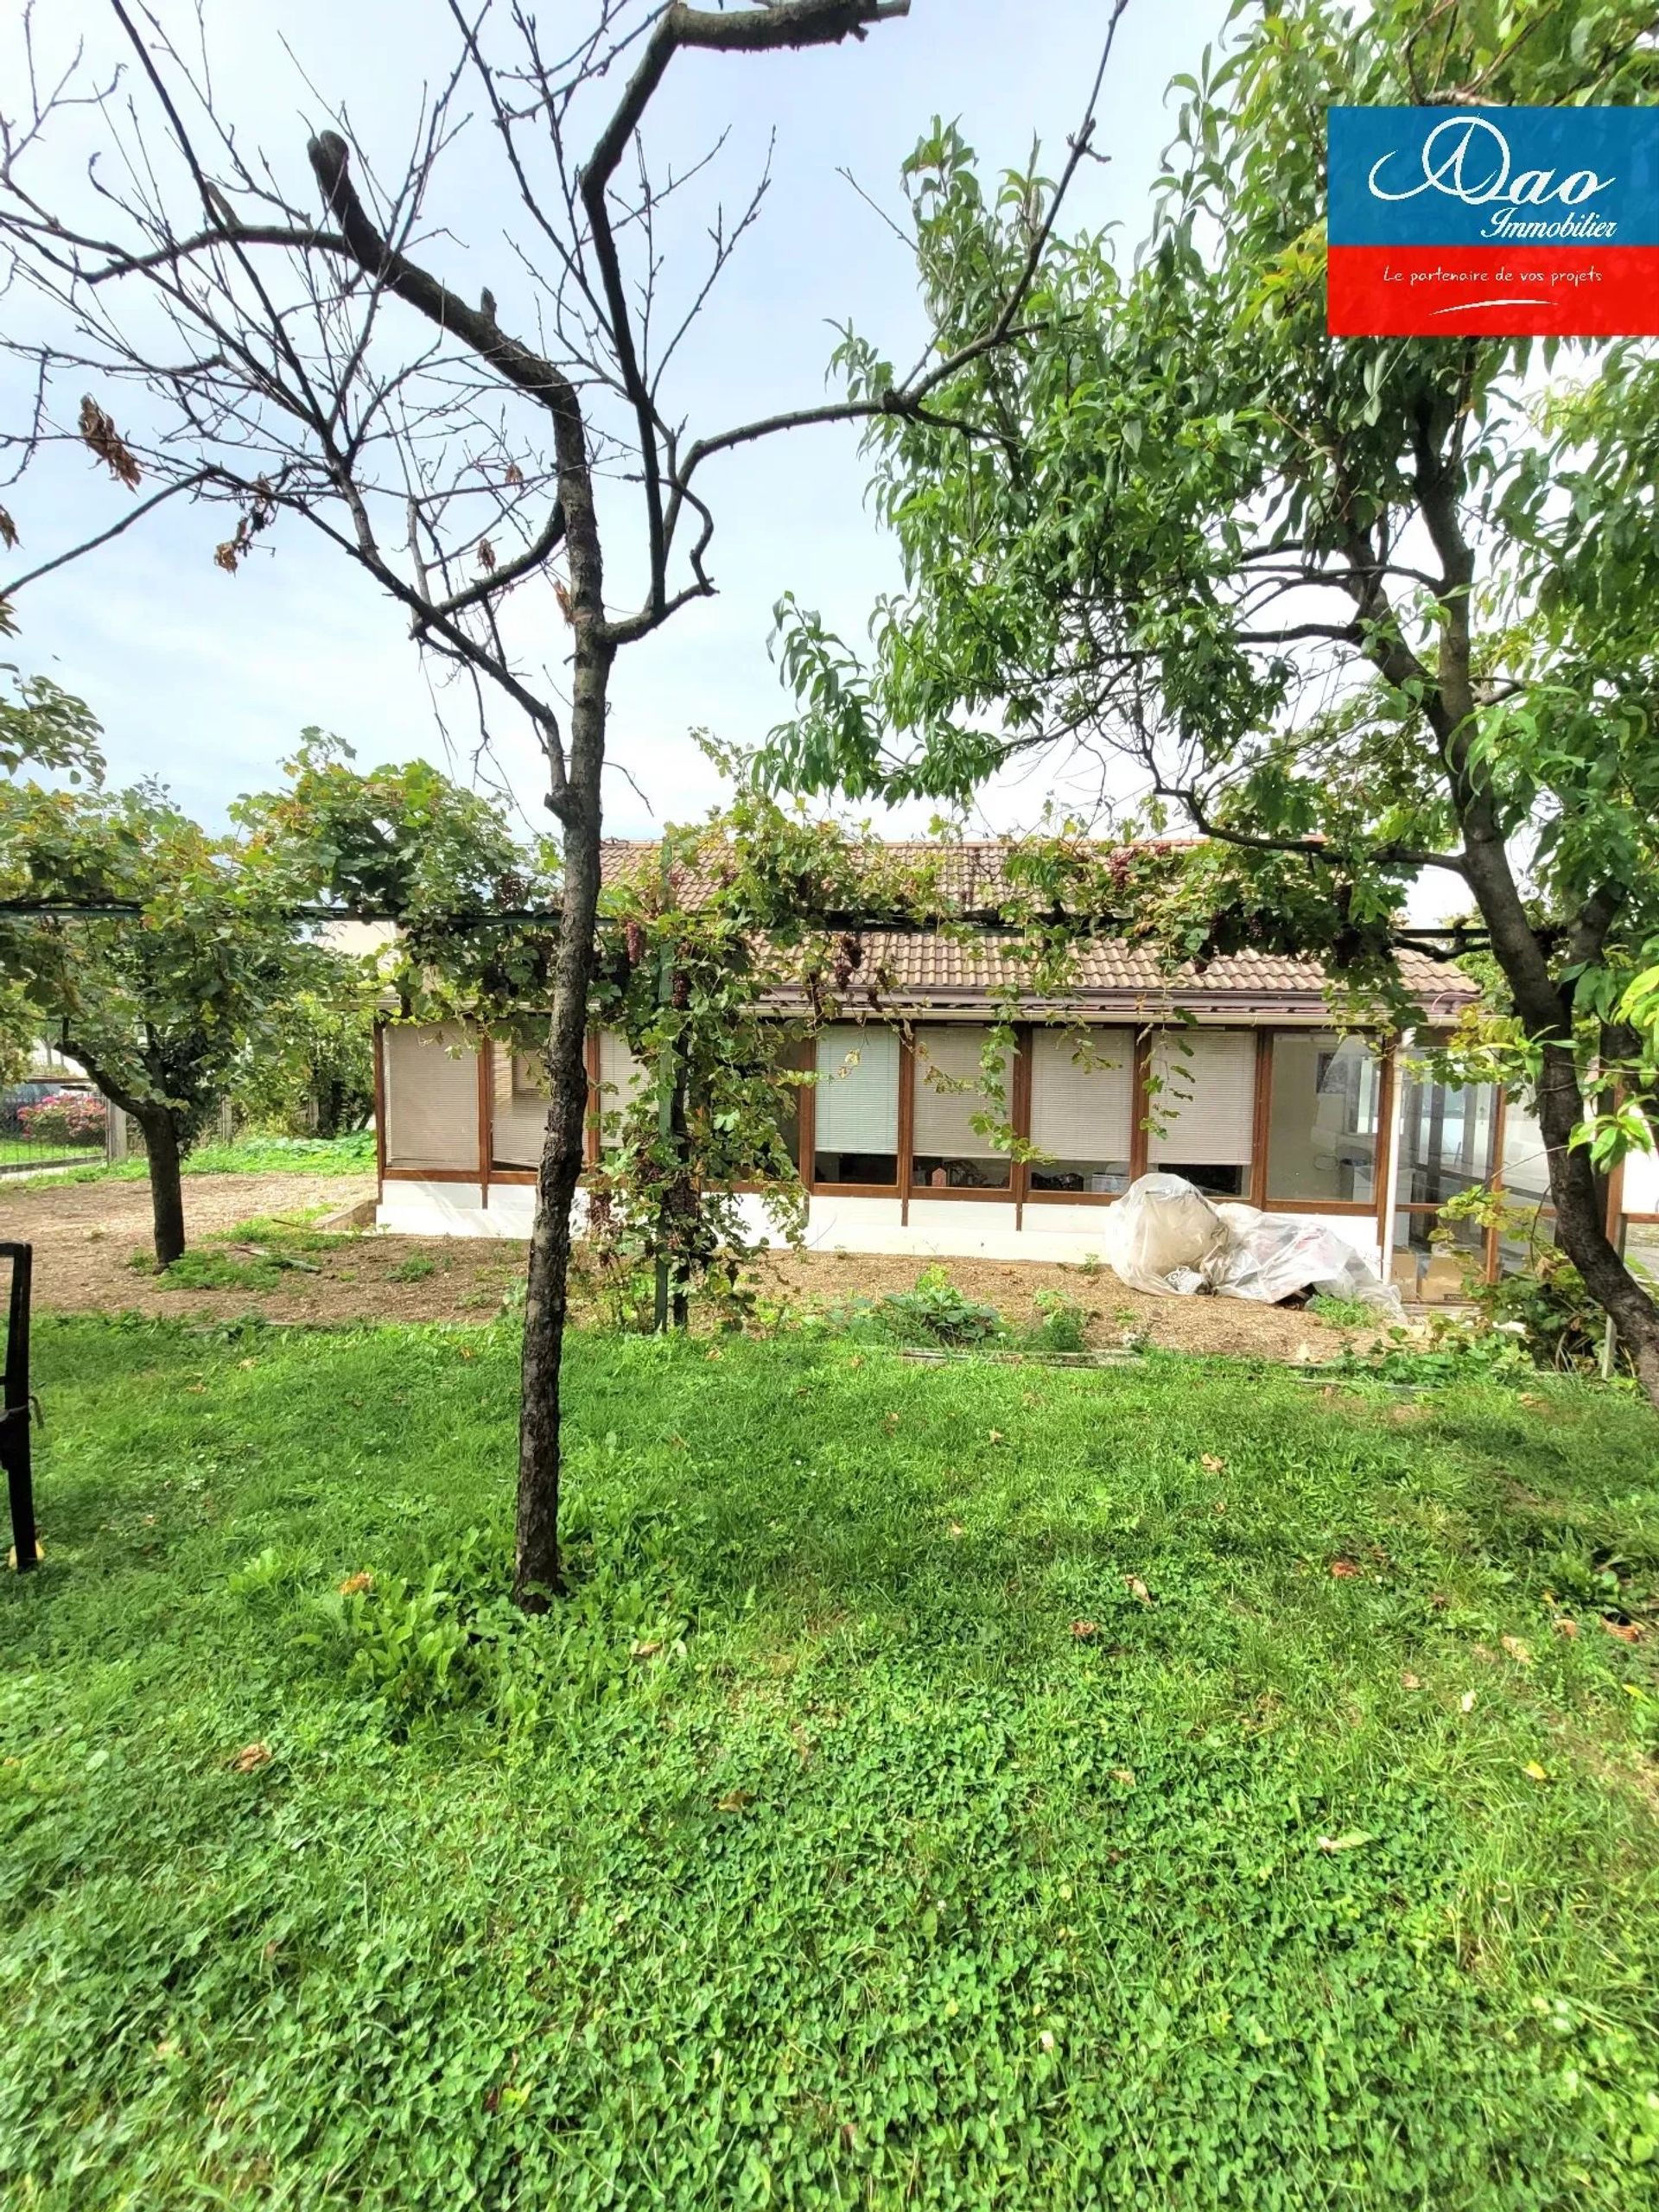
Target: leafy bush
{"points": [[67, 1117], [1552, 1312], [937, 1312]]}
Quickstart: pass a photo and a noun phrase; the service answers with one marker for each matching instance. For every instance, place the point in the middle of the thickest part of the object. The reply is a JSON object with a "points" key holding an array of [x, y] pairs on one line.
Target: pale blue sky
{"points": [[206, 679]]}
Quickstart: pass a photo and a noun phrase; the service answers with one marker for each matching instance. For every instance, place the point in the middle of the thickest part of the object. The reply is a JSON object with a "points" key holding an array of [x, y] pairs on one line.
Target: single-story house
{"points": [[1259, 1097]]}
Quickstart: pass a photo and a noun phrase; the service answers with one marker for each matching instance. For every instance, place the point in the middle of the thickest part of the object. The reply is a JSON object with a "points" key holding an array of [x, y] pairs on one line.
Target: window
{"points": [[1082, 1110], [518, 1110], [856, 1105], [796, 1055], [1205, 1110], [620, 1075], [431, 1096], [1322, 1125], [947, 1152], [1446, 1137], [1446, 1132], [1642, 1252], [1531, 1217]]}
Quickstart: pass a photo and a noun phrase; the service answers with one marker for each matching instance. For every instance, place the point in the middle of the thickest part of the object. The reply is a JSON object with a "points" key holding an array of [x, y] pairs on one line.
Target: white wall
{"points": [[937, 1228]]}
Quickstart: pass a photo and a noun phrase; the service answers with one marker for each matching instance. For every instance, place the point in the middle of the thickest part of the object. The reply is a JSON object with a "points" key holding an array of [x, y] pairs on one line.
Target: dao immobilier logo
{"points": [[1515, 222]]}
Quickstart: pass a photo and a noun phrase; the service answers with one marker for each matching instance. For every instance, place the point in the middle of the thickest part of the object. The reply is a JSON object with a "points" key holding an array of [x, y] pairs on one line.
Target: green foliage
{"points": [[1343, 1313], [1060, 1324], [855, 1821], [251, 1156], [407, 841], [415, 1268], [1452, 1348], [163, 1003], [211, 1270], [47, 730], [313, 1072], [937, 1312]]}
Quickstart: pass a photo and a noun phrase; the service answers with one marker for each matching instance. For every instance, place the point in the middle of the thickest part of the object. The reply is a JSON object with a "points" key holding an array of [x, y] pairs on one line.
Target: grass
{"points": [[960, 1786], [24, 1148], [250, 1155]]}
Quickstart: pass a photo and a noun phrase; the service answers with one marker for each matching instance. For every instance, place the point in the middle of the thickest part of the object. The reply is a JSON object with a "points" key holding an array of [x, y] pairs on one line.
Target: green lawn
{"points": [[946, 1787], [353, 1154], [13, 1149]]}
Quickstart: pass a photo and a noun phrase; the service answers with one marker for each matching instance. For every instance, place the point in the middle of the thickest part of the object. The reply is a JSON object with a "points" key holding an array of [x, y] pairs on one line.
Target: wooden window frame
{"points": [[475, 1175], [1255, 1167], [1137, 1116], [1491, 1259], [1260, 1189], [1009, 1195], [809, 1145]]}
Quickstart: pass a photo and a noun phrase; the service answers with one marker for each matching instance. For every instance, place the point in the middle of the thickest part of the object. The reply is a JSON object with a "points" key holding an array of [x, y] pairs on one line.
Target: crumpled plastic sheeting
{"points": [[1165, 1236]]}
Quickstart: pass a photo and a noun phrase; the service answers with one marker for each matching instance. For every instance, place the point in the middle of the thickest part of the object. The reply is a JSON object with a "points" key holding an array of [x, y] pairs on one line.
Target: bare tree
{"points": [[307, 358]]}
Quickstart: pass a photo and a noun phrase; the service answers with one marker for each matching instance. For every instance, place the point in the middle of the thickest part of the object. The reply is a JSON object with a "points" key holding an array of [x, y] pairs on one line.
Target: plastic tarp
{"points": [[1165, 1236]]}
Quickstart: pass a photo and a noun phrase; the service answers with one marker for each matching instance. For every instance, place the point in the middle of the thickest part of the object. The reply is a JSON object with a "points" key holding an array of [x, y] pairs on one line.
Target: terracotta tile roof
{"points": [[1109, 975]]}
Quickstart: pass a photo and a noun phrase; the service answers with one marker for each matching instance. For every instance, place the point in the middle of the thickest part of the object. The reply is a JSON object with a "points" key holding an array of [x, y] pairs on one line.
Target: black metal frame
{"points": [[17, 1410]]}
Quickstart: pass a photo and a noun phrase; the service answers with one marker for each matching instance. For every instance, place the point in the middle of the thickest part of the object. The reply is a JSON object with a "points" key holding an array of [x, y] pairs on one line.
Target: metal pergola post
{"points": [[16, 1412]]}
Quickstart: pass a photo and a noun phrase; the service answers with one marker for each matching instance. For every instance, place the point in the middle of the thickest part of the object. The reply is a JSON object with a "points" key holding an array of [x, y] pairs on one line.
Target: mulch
{"points": [[92, 1240]]}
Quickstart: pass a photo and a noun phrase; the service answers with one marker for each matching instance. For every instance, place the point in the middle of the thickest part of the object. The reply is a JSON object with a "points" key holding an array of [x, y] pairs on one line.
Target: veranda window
{"points": [[1082, 1110], [1446, 1133], [1524, 1166], [430, 1097], [947, 1152], [856, 1105], [518, 1110], [620, 1075], [1205, 1109], [1323, 1124]]}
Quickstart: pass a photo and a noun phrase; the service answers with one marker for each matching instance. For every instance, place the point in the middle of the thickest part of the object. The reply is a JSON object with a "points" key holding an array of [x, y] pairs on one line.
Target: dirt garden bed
{"points": [[91, 1239]]}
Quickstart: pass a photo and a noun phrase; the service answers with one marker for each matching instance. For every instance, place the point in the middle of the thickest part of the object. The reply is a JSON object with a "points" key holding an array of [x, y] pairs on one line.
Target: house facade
{"points": [[1251, 1092]]}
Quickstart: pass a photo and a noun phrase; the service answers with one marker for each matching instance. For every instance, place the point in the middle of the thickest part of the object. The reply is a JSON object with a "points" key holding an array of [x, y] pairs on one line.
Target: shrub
{"points": [[937, 1312], [67, 1117]]}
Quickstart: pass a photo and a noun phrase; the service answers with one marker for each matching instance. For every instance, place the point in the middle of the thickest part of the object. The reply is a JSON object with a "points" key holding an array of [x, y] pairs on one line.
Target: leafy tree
{"points": [[1358, 610], [184, 965], [47, 730], [313, 1072]]}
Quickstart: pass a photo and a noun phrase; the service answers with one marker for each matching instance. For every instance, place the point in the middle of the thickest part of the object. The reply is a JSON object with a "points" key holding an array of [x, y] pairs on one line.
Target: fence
{"points": [[43, 1124]]}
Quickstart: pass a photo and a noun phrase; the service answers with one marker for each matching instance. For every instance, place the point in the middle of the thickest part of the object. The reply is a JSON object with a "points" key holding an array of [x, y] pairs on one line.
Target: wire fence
{"points": [[44, 1123]]}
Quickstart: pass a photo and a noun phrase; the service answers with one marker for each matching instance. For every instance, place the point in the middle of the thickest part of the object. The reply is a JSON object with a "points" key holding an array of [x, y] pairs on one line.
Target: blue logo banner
{"points": [[1497, 177]]}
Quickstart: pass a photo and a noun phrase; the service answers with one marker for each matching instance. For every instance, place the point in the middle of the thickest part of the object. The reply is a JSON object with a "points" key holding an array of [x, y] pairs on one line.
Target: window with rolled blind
{"points": [[1082, 1110], [1205, 1110], [430, 1096], [856, 1104], [947, 1152], [519, 1112], [621, 1074]]}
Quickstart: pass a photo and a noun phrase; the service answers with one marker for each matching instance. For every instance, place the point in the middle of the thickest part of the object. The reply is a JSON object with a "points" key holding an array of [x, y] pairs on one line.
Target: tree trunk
{"points": [[1580, 1221], [1544, 1004], [166, 1189], [537, 1574]]}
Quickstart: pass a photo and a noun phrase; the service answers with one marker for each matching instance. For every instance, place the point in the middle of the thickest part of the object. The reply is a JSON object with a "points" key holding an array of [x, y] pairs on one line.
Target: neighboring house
{"points": [[1260, 1099]]}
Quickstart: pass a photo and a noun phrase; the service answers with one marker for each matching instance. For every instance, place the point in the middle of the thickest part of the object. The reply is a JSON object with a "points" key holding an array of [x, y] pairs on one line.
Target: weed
{"points": [[1343, 1313], [415, 1268], [1061, 1324]]}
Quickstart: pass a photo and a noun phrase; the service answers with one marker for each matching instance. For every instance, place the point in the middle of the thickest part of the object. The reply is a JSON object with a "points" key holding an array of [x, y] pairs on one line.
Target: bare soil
{"points": [[91, 1242]]}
